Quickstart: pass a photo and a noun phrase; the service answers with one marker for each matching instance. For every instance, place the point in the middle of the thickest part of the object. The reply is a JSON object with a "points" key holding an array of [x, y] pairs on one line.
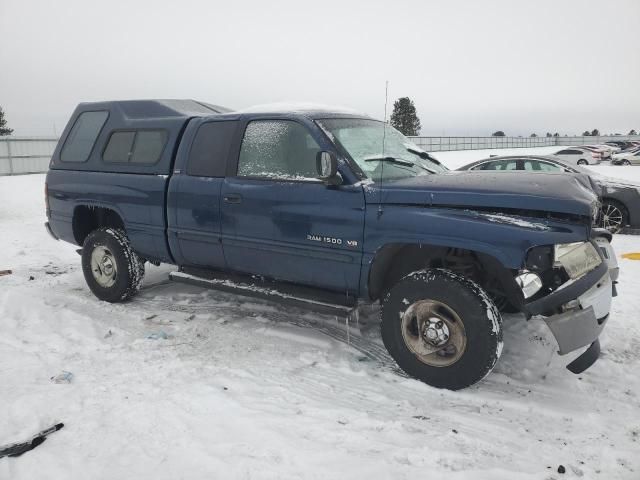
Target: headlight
{"points": [[529, 283], [576, 258]]}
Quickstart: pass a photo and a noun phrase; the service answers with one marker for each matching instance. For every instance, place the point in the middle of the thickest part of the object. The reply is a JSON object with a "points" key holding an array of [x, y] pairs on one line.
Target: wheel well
{"points": [[614, 200], [395, 261], [87, 218]]}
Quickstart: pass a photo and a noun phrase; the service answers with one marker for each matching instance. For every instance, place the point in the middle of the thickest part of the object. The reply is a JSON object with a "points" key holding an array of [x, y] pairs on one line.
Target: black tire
{"points": [[479, 315], [626, 162], [607, 205], [129, 268], [582, 161]]}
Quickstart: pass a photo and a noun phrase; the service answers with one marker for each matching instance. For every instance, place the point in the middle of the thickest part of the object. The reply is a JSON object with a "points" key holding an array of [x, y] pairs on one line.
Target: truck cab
{"points": [[334, 209]]}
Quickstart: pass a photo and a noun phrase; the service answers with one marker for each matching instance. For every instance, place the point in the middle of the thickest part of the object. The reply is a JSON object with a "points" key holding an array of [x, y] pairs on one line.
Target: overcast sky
{"points": [[472, 67]]}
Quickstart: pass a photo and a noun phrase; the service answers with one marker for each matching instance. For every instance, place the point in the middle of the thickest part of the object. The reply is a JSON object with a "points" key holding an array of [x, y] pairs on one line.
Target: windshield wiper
{"points": [[422, 154], [385, 158]]}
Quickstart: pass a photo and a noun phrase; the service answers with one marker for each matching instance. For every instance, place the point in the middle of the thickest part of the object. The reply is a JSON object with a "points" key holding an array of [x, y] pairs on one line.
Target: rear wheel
{"points": [[582, 161], [626, 162], [613, 216], [112, 270], [441, 328]]}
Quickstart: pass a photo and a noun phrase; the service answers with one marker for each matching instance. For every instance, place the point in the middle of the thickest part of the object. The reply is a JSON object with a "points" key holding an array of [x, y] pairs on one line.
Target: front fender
{"points": [[505, 237]]}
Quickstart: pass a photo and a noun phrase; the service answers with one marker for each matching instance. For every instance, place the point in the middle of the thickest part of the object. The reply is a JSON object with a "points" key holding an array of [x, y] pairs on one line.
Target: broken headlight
{"points": [[576, 258]]}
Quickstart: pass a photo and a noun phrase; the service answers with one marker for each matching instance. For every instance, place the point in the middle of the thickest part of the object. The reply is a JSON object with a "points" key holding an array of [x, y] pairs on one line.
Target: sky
{"points": [[471, 66]]}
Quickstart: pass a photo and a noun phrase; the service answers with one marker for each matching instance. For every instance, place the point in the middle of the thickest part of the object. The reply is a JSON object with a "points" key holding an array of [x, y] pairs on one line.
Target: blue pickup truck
{"points": [[332, 210]]}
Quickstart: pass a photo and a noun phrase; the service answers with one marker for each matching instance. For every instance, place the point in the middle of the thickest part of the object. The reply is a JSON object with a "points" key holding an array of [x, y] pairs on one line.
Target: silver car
{"points": [[579, 156], [627, 158]]}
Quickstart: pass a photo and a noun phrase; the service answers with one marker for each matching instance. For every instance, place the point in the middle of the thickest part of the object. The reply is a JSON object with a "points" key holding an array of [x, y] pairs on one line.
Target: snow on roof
{"points": [[296, 107]]}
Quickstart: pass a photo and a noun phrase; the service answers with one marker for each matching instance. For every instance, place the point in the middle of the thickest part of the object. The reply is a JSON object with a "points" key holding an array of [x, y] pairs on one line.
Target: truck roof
{"points": [[156, 108]]}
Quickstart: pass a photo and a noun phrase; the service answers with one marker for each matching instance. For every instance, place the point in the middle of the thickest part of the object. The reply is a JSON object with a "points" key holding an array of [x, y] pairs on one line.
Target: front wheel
{"points": [[626, 162], [583, 162], [613, 216], [113, 271], [442, 328]]}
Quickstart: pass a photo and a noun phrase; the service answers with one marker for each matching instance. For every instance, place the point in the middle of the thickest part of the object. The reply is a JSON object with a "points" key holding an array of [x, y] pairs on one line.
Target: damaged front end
{"points": [[572, 286]]}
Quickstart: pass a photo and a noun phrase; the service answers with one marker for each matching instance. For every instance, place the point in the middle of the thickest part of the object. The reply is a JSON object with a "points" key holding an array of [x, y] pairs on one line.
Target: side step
{"points": [[320, 301]]}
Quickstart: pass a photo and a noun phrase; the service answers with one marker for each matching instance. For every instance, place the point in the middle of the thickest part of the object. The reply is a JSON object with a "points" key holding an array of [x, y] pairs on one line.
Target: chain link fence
{"points": [[20, 155], [25, 154]]}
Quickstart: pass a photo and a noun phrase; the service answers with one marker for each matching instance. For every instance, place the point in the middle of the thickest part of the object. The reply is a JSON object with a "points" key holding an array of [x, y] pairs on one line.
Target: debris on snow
{"points": [[63, 377], [5, 272], [17, 449], [161, 335]]}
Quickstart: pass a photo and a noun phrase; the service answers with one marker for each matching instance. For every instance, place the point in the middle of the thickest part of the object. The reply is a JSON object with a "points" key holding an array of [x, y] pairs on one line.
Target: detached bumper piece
{"points": [[582, 325], [585, 360]]}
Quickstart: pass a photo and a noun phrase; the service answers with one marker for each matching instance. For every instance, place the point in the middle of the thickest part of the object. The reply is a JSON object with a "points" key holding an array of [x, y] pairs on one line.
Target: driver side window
{"points": [[278, 149]]}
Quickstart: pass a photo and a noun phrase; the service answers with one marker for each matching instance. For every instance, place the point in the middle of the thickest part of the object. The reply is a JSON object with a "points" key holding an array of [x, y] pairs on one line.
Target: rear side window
{"points": [[148, 146], [499, 165], [210, 149], [119, 147], [135, 146], [78, 145], [537, 166]]}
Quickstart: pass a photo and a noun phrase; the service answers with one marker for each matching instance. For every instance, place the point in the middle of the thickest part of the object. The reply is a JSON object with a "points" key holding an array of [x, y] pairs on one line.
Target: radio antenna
{"points": [[384, 136]]}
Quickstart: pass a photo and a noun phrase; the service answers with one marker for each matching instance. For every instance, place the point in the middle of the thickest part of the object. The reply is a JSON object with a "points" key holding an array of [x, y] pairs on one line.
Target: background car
{"points": [[620, 201], [620, 143], [605, 152], [631, 157], [579, 156], [612, 146]]}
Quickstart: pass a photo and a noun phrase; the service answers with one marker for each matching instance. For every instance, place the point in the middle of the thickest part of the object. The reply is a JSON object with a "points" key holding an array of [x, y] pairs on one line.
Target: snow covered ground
{"points": [[245, 389]]}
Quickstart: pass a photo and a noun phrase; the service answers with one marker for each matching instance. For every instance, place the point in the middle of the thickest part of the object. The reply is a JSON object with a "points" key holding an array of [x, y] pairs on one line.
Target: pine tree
{"points": [[404, 117], [556, 134], [499, 133], [4, 130], [586, 133], [633, 132], [533, 135], [595, 132]]}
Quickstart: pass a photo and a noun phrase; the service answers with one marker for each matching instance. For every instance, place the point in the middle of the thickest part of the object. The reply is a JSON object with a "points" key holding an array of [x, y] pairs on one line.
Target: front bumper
{"points": [[585, 305]]}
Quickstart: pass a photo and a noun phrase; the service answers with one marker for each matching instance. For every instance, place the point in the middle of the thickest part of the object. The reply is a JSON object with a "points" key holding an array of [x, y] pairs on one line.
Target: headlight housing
{"points": [[576, 258]]}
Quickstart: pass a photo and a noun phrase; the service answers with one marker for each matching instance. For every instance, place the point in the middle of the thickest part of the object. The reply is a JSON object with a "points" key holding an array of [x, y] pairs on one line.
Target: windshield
{"points": [[361, 140]]}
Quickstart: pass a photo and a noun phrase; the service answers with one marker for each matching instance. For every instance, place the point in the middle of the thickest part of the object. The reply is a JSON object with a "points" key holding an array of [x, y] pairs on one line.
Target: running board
{"points": [[320, 301]]}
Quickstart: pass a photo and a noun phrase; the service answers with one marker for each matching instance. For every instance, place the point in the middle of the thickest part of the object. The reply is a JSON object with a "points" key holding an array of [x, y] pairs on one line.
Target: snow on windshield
{"points": [[365, 140]]}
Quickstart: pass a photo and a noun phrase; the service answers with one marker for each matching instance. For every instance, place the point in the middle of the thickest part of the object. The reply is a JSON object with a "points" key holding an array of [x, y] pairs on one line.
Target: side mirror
{"points": [[327, 168]]}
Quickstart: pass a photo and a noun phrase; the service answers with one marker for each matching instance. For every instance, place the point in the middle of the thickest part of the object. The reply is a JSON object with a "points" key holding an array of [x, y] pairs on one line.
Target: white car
{"points": [[627, 158], [611, 148], [579, 156], [605, 152]]}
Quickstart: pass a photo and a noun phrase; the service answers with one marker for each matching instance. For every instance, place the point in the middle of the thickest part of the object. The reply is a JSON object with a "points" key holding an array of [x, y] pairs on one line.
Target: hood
{"points": [[536, 192]]}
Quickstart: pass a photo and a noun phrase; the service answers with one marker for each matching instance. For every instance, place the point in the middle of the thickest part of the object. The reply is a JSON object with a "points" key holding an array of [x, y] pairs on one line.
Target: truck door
{"points": [[194, 196], [280, 221]]}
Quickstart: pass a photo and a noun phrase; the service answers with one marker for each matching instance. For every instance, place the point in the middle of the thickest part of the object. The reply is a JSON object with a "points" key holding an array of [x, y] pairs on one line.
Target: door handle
{"points": [[232, 198]]}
